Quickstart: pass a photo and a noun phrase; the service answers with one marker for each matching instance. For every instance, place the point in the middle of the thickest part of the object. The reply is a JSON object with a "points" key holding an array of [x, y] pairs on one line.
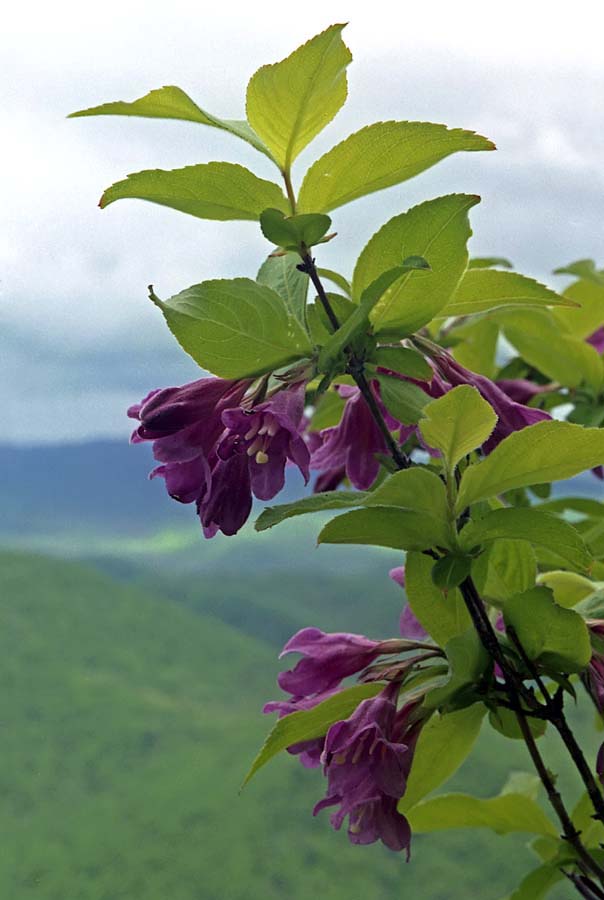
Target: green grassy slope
{"points": [[127, 723]]}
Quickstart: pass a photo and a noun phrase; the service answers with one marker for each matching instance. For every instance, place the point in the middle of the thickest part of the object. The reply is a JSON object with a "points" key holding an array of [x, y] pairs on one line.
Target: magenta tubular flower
{"points": [[352, 445], [512, 416], [597, 339], [521, 390], [593, 676], [268, 435], [367, 759], [184, 424], [327, 659]]}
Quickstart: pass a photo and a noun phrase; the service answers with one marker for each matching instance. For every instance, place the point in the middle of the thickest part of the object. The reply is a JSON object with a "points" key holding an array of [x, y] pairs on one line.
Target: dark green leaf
{"points": [[505, 722], [403, 400], [274, 515], [404, 360], [468, 661], [488, 262], [337, 279], [293, 232], [450, 571]]}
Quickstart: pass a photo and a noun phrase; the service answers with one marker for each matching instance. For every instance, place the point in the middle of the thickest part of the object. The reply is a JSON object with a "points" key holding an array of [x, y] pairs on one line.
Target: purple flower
{"points": [[593, 676], [512, 416], [521, 390], [352, 445], [597, 339], [269, 435], [215, 452], [367, 759], [327, 659], [409, 625]]}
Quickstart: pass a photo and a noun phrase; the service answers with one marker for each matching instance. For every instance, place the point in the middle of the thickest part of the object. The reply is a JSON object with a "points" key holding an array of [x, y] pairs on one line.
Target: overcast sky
{"points": [[79, 340]]}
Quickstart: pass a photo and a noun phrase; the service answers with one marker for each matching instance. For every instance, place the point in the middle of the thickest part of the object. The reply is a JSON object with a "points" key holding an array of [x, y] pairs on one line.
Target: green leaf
{"points": [[312, 723], [386, 526], [216, 190], [442, 614], [379, 156], [416, 488], [507, 813], [481, 290], [582, 268], [537, 884], [359, 320], [449, 571], [437, 229], [468, 661], [443, 745], [505, 722], [488, 262], [274, 515], [290, 102], [328, 411], [568, 587], [403, 400], [234, 328], [590, 315], [506, 567], [404, 360], [541, 339], [282, 275], [320, 326], [592, 831], [478, 346], [546, 451], [457, 423], [549, 634], [293, 232], [171, 102], [538, 528], [337, 279]]}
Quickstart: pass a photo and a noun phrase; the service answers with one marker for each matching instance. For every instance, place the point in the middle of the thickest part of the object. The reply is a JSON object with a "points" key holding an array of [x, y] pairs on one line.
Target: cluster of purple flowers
{"points": [[216, 447], [365, 758]]}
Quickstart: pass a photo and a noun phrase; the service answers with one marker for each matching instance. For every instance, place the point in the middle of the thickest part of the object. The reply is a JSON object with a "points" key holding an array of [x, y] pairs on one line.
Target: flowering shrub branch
{"points": [[433, 400]]}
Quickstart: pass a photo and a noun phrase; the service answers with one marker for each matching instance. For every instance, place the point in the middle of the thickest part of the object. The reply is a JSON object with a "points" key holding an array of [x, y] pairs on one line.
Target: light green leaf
{"points": [[442, 614], [386, 526], [592, 830], [290, 102], [582, 268], [541, 340], [293, 232], [488, 262], [443, 745], [549, 634], [274, 515], [234, 328], [171, 102], [379, 156], [404, 360], [505, 722], [568, 587], [437, 229], [478, 346], [507, 813], [468, 661], [589, 316], [538, 528], [547, 451], [416, 488], [506, 567], [282, 275], [312, 723], [481, 290], [337, 279], [538, 883], [320, 326], [216, 190], [403, 400], [457, 423]]}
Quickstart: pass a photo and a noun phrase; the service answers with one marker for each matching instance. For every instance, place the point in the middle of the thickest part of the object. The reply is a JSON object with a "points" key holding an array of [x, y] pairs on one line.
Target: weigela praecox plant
{"points": [[393, 392]]}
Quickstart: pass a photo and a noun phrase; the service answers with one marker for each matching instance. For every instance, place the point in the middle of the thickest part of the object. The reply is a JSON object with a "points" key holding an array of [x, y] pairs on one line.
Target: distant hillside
{"points": [[127, 724]]}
